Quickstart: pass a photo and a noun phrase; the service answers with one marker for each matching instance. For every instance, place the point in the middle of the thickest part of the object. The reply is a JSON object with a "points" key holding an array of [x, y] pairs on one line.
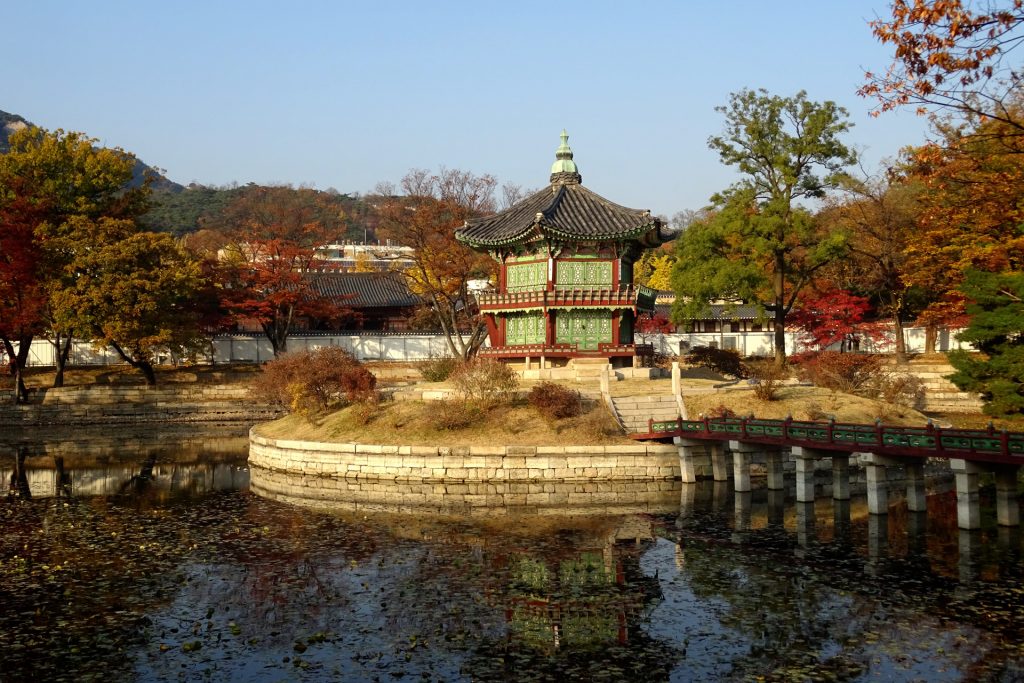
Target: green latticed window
{"points": [[526, 277], [525, 328], [583, 274]]}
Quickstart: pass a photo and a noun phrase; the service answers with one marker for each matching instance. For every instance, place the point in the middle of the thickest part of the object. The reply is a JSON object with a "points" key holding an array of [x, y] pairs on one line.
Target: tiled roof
{"points": [[371, 290], [716, 312], [568, 211]]}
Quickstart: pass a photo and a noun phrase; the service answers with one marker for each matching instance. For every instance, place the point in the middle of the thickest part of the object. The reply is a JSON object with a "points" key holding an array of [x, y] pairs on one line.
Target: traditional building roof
{"points": [[367, 290], [564, 211]]}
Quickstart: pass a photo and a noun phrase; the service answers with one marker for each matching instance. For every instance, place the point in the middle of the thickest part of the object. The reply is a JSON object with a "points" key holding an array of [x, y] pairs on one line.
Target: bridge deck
{"points": [[979, 445]]}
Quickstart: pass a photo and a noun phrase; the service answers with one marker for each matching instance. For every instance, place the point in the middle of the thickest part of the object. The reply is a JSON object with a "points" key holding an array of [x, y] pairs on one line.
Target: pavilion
{"points": [[565, 273]]}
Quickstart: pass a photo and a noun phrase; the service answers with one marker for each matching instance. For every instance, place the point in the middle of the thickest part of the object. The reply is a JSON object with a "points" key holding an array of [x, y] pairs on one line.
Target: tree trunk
{"points": [[779, 283], [278, 337], [17, 366], [901, 341], [63, 350], [140, 364], [931, 335]]}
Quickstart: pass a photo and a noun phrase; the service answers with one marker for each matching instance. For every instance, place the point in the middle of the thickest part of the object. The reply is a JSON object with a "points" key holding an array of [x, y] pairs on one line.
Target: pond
{"points": [[160, 560]]}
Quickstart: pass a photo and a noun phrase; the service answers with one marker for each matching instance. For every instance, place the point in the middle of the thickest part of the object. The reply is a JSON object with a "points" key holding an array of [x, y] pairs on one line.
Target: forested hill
{"points": [[12, 122], [199, 207], [182, 210]]}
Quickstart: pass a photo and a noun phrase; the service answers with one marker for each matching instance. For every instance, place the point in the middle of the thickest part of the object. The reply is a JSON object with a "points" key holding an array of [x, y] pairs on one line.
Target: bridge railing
{"points": [[931, 441]]}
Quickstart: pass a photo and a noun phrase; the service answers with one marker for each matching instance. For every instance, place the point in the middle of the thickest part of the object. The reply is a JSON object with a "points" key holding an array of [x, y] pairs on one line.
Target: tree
{"points": [[274, 233], [970, 209], [426, 219], [879, 216], [997, 331], [134, 294], [835, 316], [953, 58], [46, 180], [758, 245]]}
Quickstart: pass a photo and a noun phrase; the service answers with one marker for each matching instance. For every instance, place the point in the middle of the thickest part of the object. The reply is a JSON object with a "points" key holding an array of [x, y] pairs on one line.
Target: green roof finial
{"points": [[564, 163]]}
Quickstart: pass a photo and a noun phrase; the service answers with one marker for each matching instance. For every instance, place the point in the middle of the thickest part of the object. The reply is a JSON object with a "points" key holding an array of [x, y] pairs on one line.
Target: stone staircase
{"points": [[941, 395], [634, 411]]}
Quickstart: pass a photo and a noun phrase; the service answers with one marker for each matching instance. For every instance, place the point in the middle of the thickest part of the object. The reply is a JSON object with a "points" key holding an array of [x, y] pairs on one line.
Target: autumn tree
{"points": [[879, 215], [425, 218], [758, 245], [134, 294], [834, 316], [48, 179], [954, 57], [970, 209], [273, 235]]}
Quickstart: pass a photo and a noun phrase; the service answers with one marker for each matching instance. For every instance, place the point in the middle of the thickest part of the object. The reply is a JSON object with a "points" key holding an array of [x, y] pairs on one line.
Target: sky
{"points": [[344, 95]]}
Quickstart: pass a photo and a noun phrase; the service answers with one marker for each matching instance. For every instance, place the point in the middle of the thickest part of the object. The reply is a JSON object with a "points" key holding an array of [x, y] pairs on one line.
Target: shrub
{"points": [[725, 361], [484, 381], [555, 402], [438, 369], [768, 377], [456, 414], [721, 410], [311, 382], [853, 373], [901, 390]]}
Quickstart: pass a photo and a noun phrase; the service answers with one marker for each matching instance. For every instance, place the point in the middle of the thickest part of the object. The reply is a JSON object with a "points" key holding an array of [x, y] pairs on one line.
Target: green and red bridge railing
{"points": [[981, 445]]}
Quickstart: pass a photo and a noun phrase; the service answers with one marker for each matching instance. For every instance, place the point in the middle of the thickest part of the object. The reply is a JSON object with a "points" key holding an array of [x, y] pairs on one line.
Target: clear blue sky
{"points": [[346, 94]]}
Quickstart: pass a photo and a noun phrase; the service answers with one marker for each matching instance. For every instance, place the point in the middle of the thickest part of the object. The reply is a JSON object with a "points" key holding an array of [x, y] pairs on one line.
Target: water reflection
{"points": [[363, 581]]}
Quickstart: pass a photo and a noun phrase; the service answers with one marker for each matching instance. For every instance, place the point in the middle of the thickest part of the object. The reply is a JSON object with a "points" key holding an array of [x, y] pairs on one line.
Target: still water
{"points": [[166, 558]]}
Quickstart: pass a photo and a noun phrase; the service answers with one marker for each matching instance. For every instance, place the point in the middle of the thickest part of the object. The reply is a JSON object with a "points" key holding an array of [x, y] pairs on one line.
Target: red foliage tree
{"points": [[655, 324], [834, 316], [274, 234], [22, 292]]}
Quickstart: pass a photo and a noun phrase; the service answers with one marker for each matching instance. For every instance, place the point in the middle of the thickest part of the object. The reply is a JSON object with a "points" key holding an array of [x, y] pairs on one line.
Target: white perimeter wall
{"points": [[251, 348]]}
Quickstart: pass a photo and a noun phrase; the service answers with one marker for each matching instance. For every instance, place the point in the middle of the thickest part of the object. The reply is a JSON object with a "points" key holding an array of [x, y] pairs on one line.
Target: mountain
{"points": [[12, 122]]}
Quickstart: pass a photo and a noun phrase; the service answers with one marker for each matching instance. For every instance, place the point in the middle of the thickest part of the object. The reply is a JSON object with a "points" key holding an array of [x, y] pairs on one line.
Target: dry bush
{"points": [[768, 377], [364, 412], [555, 402], [853, 373], [312, 382], [455, 414], [900, 390], [725, 361], [438, 369], [721, 410], [598, 421], [485, 382]]}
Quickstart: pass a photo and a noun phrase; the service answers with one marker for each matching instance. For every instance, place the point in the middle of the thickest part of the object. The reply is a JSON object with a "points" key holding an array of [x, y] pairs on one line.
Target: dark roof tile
{"points": [[370, 290]]}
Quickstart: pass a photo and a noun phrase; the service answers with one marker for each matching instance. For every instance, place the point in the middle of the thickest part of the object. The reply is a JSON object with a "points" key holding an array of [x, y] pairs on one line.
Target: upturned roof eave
{"points": [[546, 231]]}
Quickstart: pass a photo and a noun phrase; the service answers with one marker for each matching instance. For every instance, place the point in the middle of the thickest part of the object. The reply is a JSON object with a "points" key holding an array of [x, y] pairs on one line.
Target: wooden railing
{"points": [[989, 445], [599, 297]]}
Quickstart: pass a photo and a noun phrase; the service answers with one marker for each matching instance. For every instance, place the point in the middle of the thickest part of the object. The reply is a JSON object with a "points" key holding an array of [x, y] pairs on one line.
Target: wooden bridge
{"points": [[978, 445], [970, 452]]}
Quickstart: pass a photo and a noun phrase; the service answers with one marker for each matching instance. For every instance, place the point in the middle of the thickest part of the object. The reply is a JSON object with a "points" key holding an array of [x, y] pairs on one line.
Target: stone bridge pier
{"points": [[876, 468]]}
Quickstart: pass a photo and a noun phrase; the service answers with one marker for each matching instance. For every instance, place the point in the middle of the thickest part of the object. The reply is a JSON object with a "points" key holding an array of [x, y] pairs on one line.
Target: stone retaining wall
{"points": [[466, 463], [103, 404]]}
